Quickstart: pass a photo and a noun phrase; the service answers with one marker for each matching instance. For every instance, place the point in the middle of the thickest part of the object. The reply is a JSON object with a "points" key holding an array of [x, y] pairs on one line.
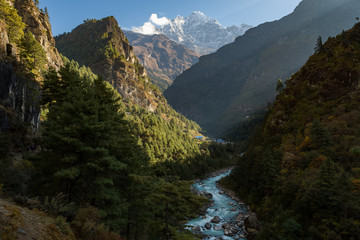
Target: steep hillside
{"points": [[165, 134], [162, 58], [301, 172], [102, 46], [240, 78]]}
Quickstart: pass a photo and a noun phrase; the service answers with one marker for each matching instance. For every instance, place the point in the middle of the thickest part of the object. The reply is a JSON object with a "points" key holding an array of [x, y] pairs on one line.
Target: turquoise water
{"points": [[224, 207]]}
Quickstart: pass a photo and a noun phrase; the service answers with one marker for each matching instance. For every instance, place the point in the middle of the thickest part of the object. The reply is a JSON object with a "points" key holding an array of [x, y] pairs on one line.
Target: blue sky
{"points": [[67, 14]]}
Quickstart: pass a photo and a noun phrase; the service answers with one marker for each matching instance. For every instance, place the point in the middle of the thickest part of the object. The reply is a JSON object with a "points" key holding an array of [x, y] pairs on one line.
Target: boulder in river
{"points": [[208, 195], [230, 229], [216, 219], [217, 228], [196, 229], [208, 226]]}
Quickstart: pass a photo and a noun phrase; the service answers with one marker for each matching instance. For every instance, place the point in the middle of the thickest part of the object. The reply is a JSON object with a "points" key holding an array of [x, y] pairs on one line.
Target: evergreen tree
{"points": [[32, 55], [14, 25], [89, 145], [320, 137], [319, 45]]}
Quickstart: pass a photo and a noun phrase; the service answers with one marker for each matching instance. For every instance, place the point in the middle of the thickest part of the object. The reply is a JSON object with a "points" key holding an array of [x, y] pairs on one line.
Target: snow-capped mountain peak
{"points": [[200, 32]]}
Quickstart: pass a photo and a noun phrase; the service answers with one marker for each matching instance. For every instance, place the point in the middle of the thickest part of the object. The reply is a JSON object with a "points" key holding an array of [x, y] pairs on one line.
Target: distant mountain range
{"points": [[162, 58], [240, 78], [201, 33]]}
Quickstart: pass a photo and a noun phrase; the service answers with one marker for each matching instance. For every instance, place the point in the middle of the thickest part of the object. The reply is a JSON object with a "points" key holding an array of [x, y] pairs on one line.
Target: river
{"points": [[224, 207]]}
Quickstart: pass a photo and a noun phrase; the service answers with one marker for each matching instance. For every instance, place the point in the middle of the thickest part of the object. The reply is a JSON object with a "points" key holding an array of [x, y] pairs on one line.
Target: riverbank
{"points": [[249, 221], [238, 221], [225, 216]]}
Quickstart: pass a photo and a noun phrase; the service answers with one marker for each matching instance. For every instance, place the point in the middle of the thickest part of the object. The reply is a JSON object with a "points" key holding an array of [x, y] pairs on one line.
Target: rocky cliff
{"points": [[19, 93], [37, 22], [162, 58], [102, 46]]}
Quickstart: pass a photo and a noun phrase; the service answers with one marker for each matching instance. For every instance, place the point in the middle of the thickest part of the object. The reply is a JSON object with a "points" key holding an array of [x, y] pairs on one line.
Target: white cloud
{"points": [[159, 21], [148, 29]]}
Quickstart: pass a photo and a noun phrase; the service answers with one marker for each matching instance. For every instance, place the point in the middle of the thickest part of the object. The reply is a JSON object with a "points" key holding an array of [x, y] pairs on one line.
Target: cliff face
{"points": [[19, 95], [4, 41], [38, 24], [102, 46], [163, 58], [18, 100]]}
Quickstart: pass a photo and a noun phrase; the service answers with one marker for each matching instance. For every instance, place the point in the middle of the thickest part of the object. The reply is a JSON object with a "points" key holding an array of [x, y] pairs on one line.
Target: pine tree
{"points": [[320, 137], [319, 45], [90, 150], [32, 55], [14, 25]]}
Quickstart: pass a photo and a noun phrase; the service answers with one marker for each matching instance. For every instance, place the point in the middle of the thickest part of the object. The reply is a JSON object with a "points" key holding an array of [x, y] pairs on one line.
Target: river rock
{"points": [[208, 226], [216, 219], [252, 226], [196, 229], [231, 204], [208, 195], [230, 229], [217, 228], [221, 192]]}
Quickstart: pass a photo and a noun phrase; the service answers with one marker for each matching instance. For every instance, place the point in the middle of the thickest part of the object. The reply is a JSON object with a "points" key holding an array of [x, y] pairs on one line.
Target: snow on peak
{"points": [[197, 31], [200, 32]]}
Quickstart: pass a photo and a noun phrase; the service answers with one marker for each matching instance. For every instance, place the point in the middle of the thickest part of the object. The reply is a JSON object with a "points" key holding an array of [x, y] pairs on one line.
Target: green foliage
{"points": [[84, 72], [58, 205], [92, 158], [110, 52], [300, 172], [89, 146], [319, 45], [32, 55], [320, 136], [14, 25]]}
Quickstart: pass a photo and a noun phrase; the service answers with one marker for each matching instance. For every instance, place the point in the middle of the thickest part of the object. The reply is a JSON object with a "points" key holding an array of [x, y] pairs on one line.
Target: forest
{"points": [[302, 164], [101, 165]]}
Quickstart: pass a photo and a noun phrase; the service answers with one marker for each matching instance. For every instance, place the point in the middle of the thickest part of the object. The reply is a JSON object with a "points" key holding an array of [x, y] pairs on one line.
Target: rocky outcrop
{"points": [[163, 58], [38, 24], [19, 100], [4, 41], [251, 226], [102, 46]]}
